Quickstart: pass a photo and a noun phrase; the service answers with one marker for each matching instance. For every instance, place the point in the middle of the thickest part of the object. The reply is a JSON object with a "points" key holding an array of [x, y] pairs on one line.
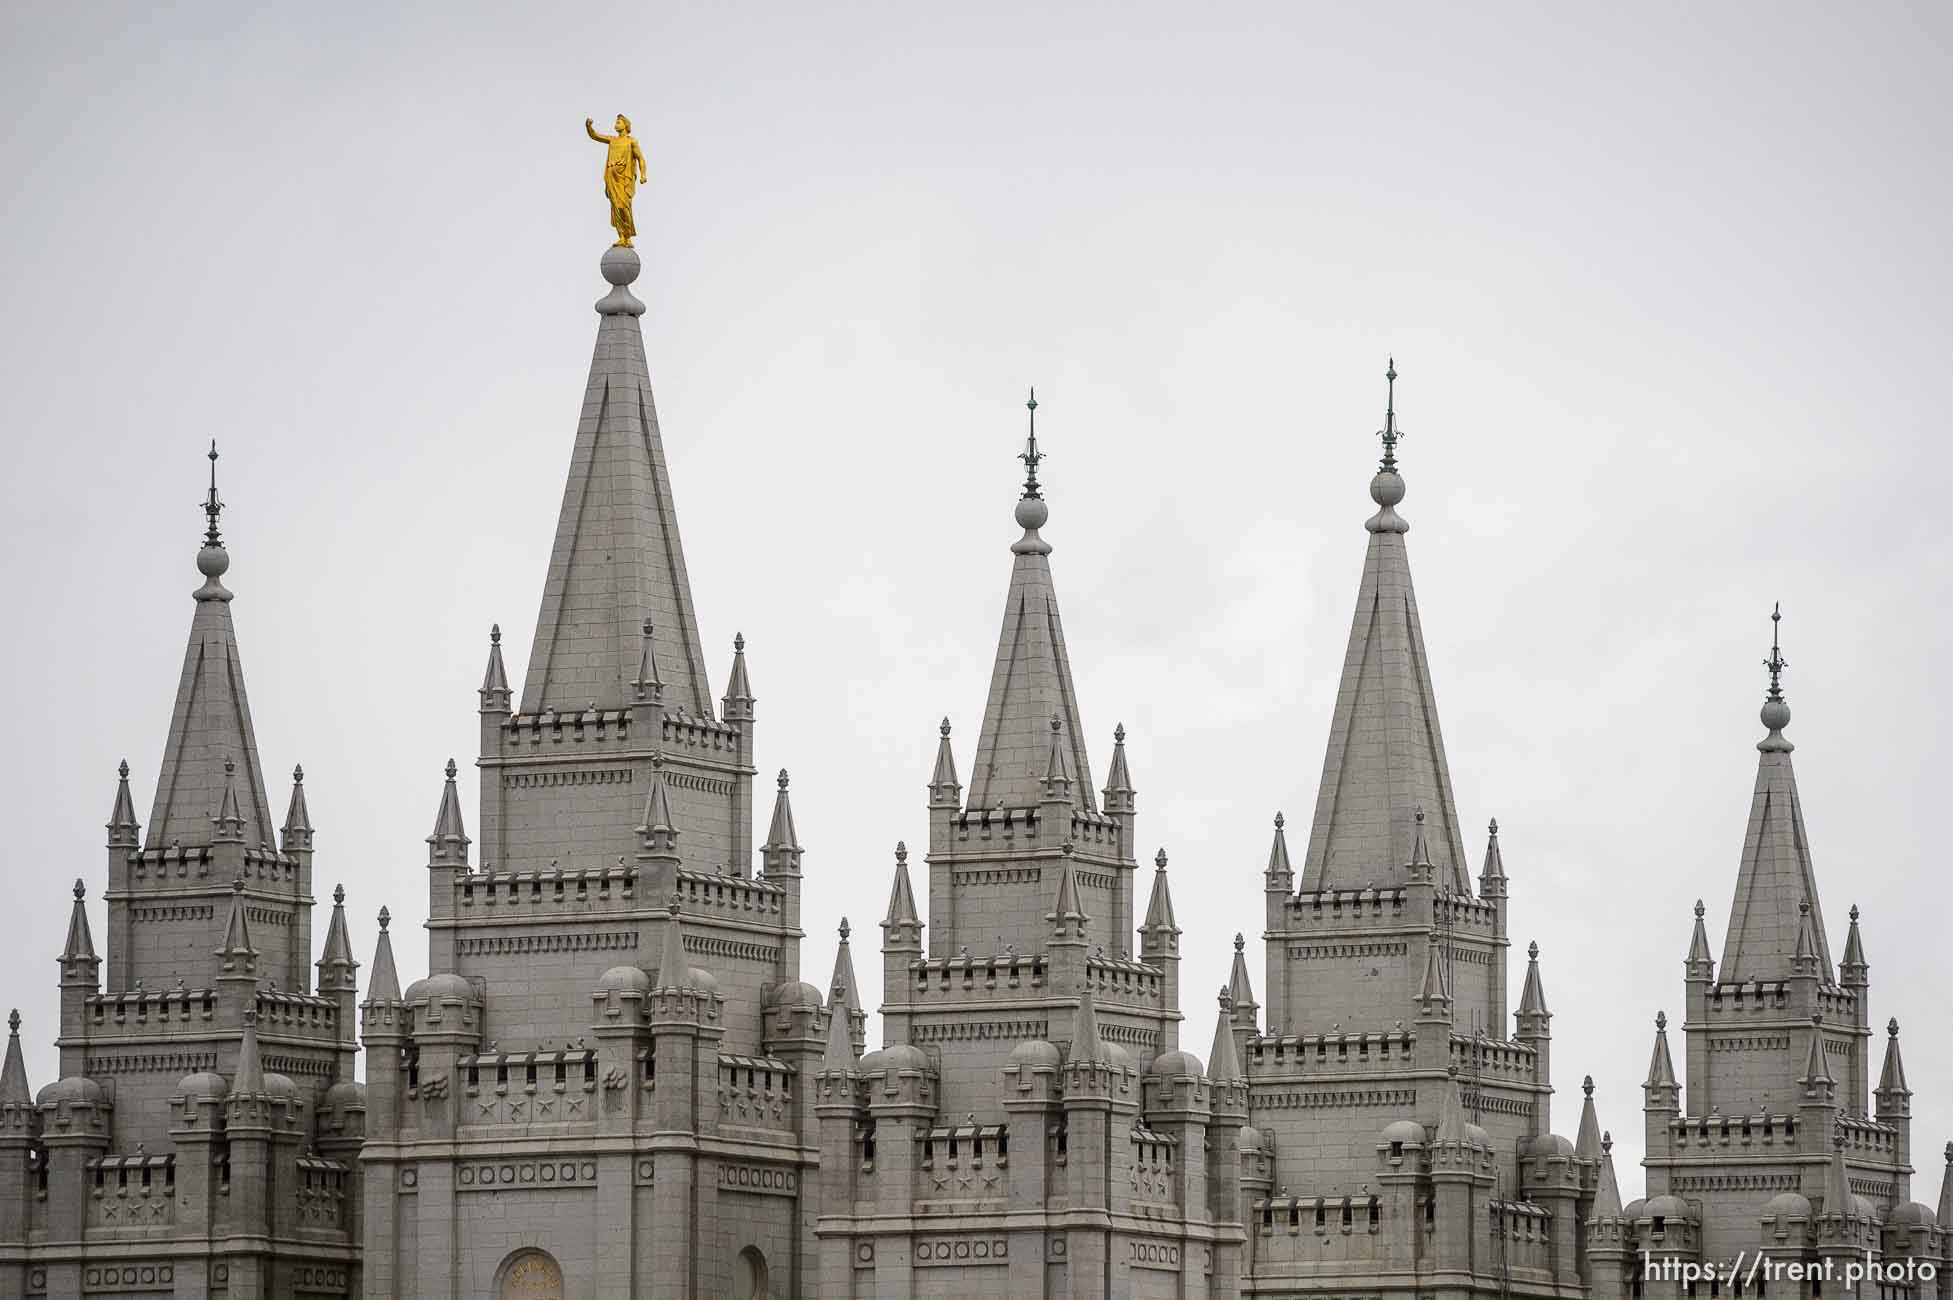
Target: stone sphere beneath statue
{"points": [[621, 265]]}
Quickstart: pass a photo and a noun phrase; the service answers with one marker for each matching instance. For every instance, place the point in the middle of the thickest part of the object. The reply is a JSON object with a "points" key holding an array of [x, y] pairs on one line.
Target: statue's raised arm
{"points": [[623, 169]]}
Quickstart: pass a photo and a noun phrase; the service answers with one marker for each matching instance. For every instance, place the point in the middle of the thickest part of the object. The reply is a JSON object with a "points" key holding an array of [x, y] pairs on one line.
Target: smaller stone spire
{"points": [[1159, 907], [238, 955], [738, 700], [495, 678], [781, 852], [1607, 1199], [945, 791], [1945, 1214], [658, 831], [902, 927], [1894, 1098], [1819, 1085], [384, 984], [1491, 881], [648, 687], [1805, 959], [13, 1074], [78, 959], [1586, 1143], [296, 835], [1451, 1111], [337, 969], [1119, 793], [1837, 1184], [448, 845], [123, 830], [1241, 989], [1660, 1087], [1057, 771], [844, 994], [1434, 993], [250, 1065], [229, 822], [1853, 970], [1086, 1045], [1700, 963], [1279, 874], [1776, 712], [1533, 1013], [1223, 1062], [1420, 866], [674, 968], [1067, 917], [839, 1058]]}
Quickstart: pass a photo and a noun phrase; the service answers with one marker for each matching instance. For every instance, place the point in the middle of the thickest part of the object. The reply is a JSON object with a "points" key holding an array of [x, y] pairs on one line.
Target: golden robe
{"points": [[620, 183]]}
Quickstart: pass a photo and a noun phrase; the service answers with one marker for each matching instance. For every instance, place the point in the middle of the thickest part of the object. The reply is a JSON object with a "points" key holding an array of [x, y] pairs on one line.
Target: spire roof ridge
{"points": [[1030, 680], [617, 559], [1385, 757]]}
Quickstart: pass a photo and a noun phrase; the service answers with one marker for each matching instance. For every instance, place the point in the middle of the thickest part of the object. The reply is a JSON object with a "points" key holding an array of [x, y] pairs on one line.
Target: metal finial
{"points": [[13, 1022], [1240, 941], [1776, 663], [845, 929], [1159, 860], [1031, 455], [338, 895], [212, 506], [386, 919], [1390, 433], [81, 890], [494, 634], [452, 769], [1532, 951]]}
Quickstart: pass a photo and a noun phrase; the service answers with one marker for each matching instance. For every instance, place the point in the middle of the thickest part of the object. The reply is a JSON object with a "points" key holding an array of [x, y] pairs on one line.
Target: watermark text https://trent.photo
{"points": [[1747, 1270]]}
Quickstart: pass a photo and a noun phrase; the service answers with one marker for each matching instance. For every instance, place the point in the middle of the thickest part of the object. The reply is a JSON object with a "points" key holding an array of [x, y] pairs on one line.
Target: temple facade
{"points": [[615, 1081]]}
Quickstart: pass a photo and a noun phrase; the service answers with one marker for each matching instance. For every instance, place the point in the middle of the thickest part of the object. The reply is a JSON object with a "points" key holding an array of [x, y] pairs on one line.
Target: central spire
{"points": [[617, 563], [1032, 706], [1776, 876], [1386, 753]]}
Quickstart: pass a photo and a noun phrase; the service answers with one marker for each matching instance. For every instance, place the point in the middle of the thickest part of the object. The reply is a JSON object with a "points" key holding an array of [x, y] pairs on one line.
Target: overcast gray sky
{"points": [[1667, 286]]}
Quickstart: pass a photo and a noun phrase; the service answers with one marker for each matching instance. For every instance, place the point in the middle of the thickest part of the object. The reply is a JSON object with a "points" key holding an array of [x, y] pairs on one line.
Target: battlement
{"points": [[757, 1091], [141, 1012], [558, 887], [1327, 908], [1760, 999], [1765, 1133], [1329, 1053], [175, 862], [749, 898], [1115, 982], [618, 729], [1017, 828], [132, 1192], [499, 1072]]}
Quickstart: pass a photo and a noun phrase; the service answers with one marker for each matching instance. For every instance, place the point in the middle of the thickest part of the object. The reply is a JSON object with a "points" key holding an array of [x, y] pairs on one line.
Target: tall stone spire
{"points": [[1776, 876], [1586, 1143], [902, 927], [239, 954], [1159, 905], [1386, 754], [617, 560], [1532, 995], [1660, 1085], [1607, 1199], [210, 725], [1223, 1065], [337, 969], [1031, 681], [1241, 989], [781, 852], [1893, 1094]]}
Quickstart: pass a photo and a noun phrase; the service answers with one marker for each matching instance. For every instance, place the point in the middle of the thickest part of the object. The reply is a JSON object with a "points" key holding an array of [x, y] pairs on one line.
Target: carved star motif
{"points": [[515, 1110], [942, 1183], [487, 1108], [542, 1109], [576, 1104]]}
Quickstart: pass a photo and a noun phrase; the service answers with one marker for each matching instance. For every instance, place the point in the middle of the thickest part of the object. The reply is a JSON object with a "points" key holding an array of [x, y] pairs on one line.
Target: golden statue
{"points": [[623, 170]]}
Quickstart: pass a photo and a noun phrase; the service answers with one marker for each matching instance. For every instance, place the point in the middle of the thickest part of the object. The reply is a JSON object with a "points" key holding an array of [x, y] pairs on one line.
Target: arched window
{"points": [[749, 1276], [531, 1275]]}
